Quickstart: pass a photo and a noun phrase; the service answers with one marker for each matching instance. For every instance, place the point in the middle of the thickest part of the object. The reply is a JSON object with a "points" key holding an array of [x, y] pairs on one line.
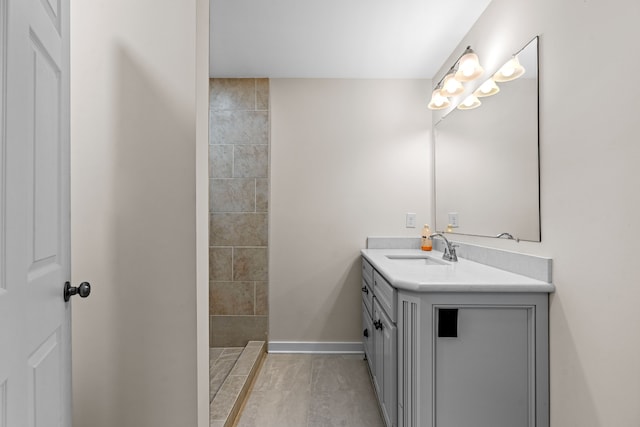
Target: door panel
{"points": [[52, 8], [44, 382], [486, 368], [35, 374], [45, 124]]}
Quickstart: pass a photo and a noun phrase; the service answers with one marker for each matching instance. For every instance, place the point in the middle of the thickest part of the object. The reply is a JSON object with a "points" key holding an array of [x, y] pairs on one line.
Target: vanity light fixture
{"points": [[466, 68], [469, 103], [487, 88], [469, 67], [438, 102], [451, 86], [509, 71]]}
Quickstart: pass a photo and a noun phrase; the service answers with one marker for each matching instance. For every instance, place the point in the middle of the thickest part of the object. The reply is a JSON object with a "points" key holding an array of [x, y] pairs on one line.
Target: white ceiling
{"points": [[337, 38]]}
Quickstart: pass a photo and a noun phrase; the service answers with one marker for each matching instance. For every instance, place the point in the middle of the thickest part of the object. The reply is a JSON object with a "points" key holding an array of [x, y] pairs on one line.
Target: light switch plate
{"points": [[454, 221], [411, 220]]}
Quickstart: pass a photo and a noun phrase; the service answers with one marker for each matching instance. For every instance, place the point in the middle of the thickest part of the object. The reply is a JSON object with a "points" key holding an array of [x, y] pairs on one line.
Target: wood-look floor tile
{"points": [[301, 390], [335, 373], [282, 373], [276, 409], [351, 408]]}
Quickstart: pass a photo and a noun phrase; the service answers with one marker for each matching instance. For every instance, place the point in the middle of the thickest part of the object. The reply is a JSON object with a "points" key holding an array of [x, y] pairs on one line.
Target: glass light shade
{"points": [[509, 71], [469, 103], [487, 88], [469, 67], [451, 86], [438, 102]]}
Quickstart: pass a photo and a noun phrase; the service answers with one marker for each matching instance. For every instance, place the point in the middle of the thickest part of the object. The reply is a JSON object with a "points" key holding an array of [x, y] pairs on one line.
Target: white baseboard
{"points": [[315, 347]]}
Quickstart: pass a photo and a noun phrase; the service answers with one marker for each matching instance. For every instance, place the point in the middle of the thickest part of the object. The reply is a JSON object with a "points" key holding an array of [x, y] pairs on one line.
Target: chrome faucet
{"points": [[449, 251]]}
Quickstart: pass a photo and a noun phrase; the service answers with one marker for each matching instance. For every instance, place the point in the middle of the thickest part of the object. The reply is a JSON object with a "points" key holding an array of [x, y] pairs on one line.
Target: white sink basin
{"points": [[417, 259]]}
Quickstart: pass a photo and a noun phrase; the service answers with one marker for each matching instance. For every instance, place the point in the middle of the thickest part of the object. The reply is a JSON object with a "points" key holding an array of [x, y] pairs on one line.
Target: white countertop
{"points": [[461, 276]]}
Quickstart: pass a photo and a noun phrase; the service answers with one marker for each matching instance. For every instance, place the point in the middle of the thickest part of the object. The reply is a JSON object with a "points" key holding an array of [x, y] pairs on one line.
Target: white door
{"points": [[35, 359]]}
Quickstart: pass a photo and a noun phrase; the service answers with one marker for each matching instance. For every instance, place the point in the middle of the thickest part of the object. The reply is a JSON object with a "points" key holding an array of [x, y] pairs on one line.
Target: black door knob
{"points": [[83, 290], [366, 333]]}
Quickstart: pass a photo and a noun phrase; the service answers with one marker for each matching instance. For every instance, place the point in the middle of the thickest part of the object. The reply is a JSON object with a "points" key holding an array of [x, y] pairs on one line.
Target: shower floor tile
{"points": [[221, 362]]}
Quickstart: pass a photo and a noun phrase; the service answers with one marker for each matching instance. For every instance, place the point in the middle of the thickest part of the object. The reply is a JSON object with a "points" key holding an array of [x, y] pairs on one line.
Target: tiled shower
{"points": [[238, 211]]}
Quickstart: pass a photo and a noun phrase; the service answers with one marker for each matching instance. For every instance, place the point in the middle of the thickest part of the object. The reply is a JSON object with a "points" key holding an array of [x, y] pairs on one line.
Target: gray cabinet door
{"points": [[484, 376], [385, 377], [367, 336]]}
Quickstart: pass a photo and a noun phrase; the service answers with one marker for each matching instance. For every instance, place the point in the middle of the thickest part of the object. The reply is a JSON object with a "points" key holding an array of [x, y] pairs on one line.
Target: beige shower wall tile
{"points": [[250, 161], [262, 94], [239, 194], [262, 299], [262, 195], [220, 263], [232, 195], [231, 298], [239, 127], [235, 331], [238, 229], [250, 264], [232, 94], [220, 161]]}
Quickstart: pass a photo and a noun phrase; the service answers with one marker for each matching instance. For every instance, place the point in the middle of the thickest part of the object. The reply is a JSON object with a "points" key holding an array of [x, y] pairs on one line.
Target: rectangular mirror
{"points": [[486, 161]]}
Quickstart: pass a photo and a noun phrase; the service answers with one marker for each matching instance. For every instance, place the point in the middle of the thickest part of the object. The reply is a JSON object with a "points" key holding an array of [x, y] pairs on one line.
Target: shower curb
{"points": [[225, 406]]}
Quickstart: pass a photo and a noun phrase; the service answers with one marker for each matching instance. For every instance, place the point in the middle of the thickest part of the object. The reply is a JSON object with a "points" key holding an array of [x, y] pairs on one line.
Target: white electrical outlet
{"points": [[411, 220], [454, 221]]}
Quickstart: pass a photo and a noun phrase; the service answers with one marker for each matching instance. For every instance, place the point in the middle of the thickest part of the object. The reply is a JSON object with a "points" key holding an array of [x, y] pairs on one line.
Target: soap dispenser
{"points": [[425, 242]]}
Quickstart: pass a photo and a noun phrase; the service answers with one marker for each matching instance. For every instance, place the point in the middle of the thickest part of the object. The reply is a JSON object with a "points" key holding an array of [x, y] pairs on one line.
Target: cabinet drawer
{"points": [[386, 295], [367, 272]]}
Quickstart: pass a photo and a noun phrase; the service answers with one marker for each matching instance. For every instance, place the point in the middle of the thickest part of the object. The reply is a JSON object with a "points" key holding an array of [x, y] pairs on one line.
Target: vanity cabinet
{"points": [[454, 359], [367, 313], [380, 340], [472, 359]]}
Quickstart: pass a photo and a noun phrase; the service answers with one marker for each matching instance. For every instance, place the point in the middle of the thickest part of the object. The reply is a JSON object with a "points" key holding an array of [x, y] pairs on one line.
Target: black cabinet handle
{"points": [[366, 333], [378, 324], [365, 290]]}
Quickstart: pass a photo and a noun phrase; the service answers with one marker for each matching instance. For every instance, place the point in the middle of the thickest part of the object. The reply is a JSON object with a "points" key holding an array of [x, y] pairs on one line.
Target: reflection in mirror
{"points": [[486, 161]]}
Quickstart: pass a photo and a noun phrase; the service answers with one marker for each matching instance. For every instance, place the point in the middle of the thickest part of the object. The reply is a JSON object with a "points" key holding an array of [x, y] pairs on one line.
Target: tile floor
{"points": [[303, 390], [221, 362]]}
